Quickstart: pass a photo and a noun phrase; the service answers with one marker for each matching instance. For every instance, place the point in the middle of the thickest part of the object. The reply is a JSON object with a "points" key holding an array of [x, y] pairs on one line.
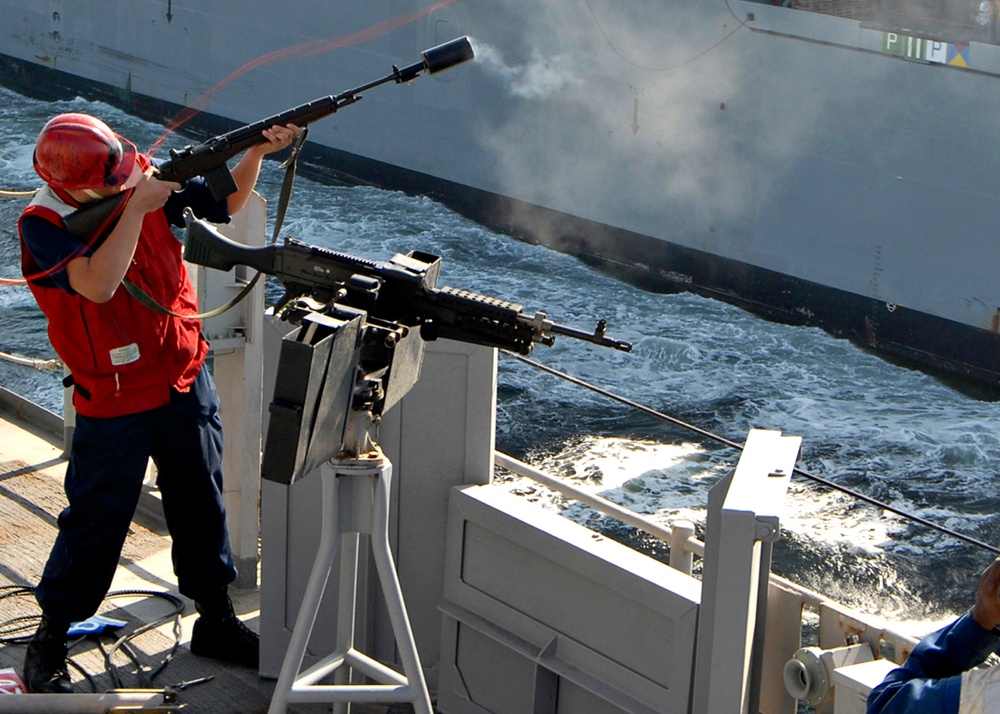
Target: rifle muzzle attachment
{"points": [[447, 55]]}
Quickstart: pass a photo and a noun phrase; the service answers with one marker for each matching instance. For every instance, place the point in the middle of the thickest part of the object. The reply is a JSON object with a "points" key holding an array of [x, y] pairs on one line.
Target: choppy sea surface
{"points": [[893, 433]]}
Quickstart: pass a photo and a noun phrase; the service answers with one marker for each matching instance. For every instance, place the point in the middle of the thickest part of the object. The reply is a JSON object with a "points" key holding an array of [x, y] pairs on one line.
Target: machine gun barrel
{"points": [[209, 158], [401, 291], [597, 336]]}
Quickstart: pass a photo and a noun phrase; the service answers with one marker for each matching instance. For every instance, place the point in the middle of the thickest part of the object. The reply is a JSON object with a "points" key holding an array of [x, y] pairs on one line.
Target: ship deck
{"points": [[31, 497]]}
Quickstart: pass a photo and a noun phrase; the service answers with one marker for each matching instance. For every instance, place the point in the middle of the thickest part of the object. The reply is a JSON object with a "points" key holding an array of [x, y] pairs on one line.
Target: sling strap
{"points": [[290, 165]]}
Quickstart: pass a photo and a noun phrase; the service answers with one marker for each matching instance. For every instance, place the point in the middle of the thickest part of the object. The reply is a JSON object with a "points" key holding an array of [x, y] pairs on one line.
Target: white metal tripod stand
{"points": [[355, 501]]}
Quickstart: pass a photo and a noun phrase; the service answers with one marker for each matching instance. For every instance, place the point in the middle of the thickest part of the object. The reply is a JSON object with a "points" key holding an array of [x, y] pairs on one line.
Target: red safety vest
{"points": [[123, 356]]}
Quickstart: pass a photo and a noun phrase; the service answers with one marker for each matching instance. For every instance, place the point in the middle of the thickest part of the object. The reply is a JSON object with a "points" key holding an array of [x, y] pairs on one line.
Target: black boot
{"points": [[219, 634], [45, 661]]}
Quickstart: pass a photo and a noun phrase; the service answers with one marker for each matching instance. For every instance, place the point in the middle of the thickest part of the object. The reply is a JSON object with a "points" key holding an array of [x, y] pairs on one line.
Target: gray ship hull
{"points": [[820, 170]]}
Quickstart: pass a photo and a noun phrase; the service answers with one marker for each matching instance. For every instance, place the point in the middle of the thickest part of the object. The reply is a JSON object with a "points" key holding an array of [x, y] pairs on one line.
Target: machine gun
{"points": [[209, 158], [401, 290], [360, 342]]}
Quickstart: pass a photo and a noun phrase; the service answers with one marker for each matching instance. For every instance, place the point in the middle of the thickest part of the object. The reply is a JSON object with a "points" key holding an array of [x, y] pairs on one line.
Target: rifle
{"points": [[209, 158], [401, 290]]}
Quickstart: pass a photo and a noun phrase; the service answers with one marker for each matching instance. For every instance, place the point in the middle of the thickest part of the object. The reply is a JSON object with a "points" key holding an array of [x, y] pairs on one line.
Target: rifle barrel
{"points": [[197, 160]]}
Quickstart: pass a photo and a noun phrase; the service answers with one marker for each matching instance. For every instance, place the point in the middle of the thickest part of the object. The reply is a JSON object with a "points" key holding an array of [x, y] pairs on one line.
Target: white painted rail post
{"points": [[237, 363], [681, 556], [744, 511]]}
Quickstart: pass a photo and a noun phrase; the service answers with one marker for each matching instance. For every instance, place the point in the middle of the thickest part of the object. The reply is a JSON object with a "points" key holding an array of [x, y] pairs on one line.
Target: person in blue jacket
{"points": [[940, 675]]}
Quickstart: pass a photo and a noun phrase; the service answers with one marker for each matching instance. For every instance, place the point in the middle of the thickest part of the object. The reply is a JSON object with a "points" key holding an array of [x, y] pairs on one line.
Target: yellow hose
{"points": [[18, 194]]}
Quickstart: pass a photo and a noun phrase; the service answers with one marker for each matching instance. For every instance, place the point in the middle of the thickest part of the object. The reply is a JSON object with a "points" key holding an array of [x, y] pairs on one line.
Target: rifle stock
{"points": [[402, 290], [209, 158]]}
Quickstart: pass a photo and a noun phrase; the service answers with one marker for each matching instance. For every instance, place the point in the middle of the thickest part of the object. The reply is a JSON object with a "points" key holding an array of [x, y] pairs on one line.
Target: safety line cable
{"points": [[123, 641], [739, 447], [19, 630]]}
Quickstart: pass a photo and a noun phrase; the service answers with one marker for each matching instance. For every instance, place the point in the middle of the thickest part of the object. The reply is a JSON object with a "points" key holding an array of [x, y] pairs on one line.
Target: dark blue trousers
{"points": [[104, 478]]}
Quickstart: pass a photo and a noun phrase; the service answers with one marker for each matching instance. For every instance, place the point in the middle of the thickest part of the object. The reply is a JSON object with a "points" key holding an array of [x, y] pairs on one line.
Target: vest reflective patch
{"points": [[124, 355]]}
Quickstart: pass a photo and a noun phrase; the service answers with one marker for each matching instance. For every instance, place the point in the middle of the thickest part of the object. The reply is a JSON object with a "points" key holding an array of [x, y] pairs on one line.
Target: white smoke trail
{"points": [[539, 77]]}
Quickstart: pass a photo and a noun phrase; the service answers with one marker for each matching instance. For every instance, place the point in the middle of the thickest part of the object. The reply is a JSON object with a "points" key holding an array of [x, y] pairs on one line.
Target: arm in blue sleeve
{"points": [[930, 680], [52, 248]]}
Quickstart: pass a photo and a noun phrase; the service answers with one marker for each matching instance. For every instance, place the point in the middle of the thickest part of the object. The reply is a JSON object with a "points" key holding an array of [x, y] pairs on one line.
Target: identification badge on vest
{"points": [[124, 355]]}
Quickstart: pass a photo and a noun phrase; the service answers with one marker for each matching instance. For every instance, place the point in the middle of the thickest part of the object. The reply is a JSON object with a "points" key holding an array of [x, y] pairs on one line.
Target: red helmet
{"points": [[77, 152]]}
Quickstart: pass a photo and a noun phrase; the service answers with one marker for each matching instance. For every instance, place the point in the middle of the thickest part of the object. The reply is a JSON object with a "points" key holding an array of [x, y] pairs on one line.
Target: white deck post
{"points": [[744, 511], [237, 359]]}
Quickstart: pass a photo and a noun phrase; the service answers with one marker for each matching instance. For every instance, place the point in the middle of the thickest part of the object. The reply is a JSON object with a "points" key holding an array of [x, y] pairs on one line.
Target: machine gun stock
{"points": [[209, 158], [402, 290]]}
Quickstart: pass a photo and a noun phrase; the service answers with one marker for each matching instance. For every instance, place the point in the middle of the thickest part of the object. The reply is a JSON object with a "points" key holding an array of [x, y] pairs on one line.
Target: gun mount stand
{"points": [[355, 501]]}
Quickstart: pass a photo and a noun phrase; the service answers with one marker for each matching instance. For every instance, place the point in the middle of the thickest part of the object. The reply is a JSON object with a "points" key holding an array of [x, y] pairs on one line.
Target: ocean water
{"points": [[893, 433]]}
